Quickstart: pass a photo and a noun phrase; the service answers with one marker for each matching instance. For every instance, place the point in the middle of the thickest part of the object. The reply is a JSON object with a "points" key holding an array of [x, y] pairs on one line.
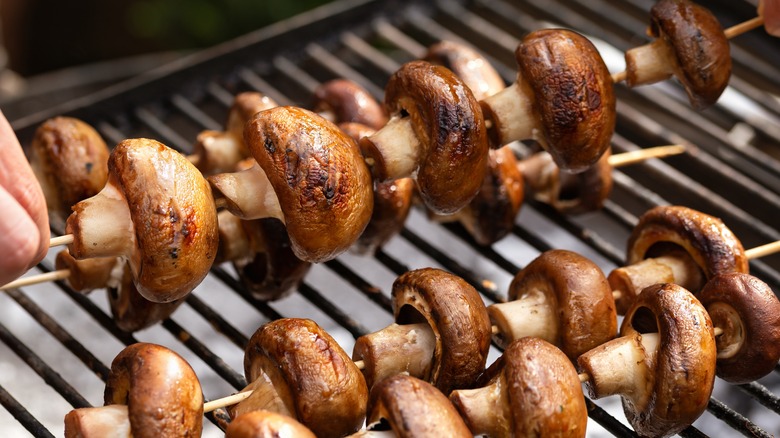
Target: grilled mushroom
{"points": [[561, 297], [690, 44], [563, 98], [157, 211], [131, 311], [441, 333], [310, 175], [344, 101], [88, 274], [748, 312], [266, 424], [436, 134], [414, 409], [537, 393], [69, 159], [467, 64], [676, 245], [298, 369], [663, 364], [151, 392]]}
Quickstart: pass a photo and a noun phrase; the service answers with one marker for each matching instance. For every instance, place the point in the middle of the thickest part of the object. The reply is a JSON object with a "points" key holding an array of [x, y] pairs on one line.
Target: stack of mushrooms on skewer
{"points": [[293, 188]]}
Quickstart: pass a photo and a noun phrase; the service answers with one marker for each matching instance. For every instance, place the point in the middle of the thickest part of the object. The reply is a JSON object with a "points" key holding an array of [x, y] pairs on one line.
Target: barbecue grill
{"points": [[57, 345]]}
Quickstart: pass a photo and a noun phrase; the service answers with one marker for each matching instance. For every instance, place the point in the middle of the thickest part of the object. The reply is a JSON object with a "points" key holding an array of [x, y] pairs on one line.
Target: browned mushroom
{"points": [[690, 44], [441, 333], [748, 312], [69, 159], [219, 151], [676, 245], [537, 393], [157, 211], [297, 369], [436, 134], [392, 202], [561, 297], [151, 392], [563, 98], [467, 64], [663, 365], [348, 102], [266, 424], [414, 408], [89, 274], [310, 175], [131, 311]]}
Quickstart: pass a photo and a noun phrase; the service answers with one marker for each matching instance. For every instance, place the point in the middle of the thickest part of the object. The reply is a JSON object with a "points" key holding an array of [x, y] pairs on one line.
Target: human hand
{"points": [[24, 221], [770, 10]]}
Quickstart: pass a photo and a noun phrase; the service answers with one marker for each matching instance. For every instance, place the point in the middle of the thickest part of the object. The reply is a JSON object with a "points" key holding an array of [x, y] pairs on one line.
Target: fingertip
{"points": [[20, 246]]}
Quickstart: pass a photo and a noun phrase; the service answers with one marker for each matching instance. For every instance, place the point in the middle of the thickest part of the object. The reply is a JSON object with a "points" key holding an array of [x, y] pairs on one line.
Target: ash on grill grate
{"points": [[56, 345]]}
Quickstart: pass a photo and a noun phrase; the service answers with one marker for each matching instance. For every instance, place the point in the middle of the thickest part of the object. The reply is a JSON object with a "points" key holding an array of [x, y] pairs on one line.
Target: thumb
{"points": [[20, 241]]}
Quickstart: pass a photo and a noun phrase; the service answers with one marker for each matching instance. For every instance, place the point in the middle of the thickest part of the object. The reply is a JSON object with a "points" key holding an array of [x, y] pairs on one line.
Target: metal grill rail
{"points": [[729, 174]]}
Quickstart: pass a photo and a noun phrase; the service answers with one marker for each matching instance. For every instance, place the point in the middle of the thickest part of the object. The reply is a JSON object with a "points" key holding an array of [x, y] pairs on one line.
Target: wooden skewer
{"points": [[35, 279], [627, 158], [66, 239]]}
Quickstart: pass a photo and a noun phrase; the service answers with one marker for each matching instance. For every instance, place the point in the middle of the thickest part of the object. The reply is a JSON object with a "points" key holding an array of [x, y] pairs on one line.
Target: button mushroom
{"points": [[663, 365], [468, 65], [131, 311], [297, 369], [151, 392], [89, 274], [690, 44], [310, 175], [69, 159], [344, 101], [677, 245], [561, 297], [748, 313], [157, 211], [266, 424], [414, 408], [563, 98], [436, 134], [537, 393], [441, 332]]}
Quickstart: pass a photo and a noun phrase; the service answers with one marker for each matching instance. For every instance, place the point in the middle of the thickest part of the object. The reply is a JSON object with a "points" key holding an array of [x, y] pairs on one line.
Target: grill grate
{"points": [[66, 339]]}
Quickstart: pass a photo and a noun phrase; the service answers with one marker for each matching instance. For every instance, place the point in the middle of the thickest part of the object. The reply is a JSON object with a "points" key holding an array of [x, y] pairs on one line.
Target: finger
{"points": [[20, 239], [770, 10]]}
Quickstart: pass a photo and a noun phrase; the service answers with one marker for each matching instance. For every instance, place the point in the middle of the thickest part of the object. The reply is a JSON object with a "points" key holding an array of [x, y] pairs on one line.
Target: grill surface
{"points": [[57, 345]]}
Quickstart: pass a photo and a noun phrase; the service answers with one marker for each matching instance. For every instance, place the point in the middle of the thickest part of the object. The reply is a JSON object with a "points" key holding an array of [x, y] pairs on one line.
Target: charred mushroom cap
{"points": [[467, 64], [161, 391], [450, 158], [536, 392], [273, 271], [579, 295], [70, 160], [245, 106], [701, 49], [266, 424], [414, 408], [328, 392], [749, 313], [88, 274], [316, 170], [131, 311], [567, 192], [349, 102], [673, 385], [172, 214], [392, 202], [456, 314], [572, 98]]}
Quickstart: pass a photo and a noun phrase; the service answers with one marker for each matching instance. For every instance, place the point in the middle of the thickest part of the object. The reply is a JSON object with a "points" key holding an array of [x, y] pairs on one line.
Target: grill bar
{"points": [[23, 415]]}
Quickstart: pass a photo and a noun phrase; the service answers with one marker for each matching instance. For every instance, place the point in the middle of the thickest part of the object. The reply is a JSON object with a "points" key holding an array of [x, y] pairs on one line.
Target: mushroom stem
{"points": [[745, 26], [532, 315], [248, 193], [365, 433], [395, 149], [266, 392], [35, 279], [485, 410], [509, 114], [98, 422], [396, 349], [102, 226], [653, 62]]}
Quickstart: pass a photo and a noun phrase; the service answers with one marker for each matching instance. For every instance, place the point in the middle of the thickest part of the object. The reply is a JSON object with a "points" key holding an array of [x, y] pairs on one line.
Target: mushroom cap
{"points": [[161, 391], [705, 238], [328, 391], [266, 424], [173, 214], [131, 311], [573, 96], [684, 368], [414, 408], [70, 160], [544, 391], [701, 48], [350, 103], [392, 202], [467, 64], [580, 294], [274, 271], [459, 320], [322, 183], [245, 106], [749, 313], [448, 121]]}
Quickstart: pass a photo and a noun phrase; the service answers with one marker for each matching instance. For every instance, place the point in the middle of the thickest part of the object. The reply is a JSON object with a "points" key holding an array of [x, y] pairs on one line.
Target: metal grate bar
{"points": [[373, 292], [217, 321], [355, 328], [760, 393], [737, 421], [360, 47], [299, 75], [399, 39], [194, 113], [259, 84], [341, 69], [23, 415]]}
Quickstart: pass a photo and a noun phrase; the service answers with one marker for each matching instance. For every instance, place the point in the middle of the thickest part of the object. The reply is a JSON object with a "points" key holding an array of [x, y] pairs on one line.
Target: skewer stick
{"points": [[66, 239], [763, 250], [35, 279], [627, 158], [226, 401]]}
